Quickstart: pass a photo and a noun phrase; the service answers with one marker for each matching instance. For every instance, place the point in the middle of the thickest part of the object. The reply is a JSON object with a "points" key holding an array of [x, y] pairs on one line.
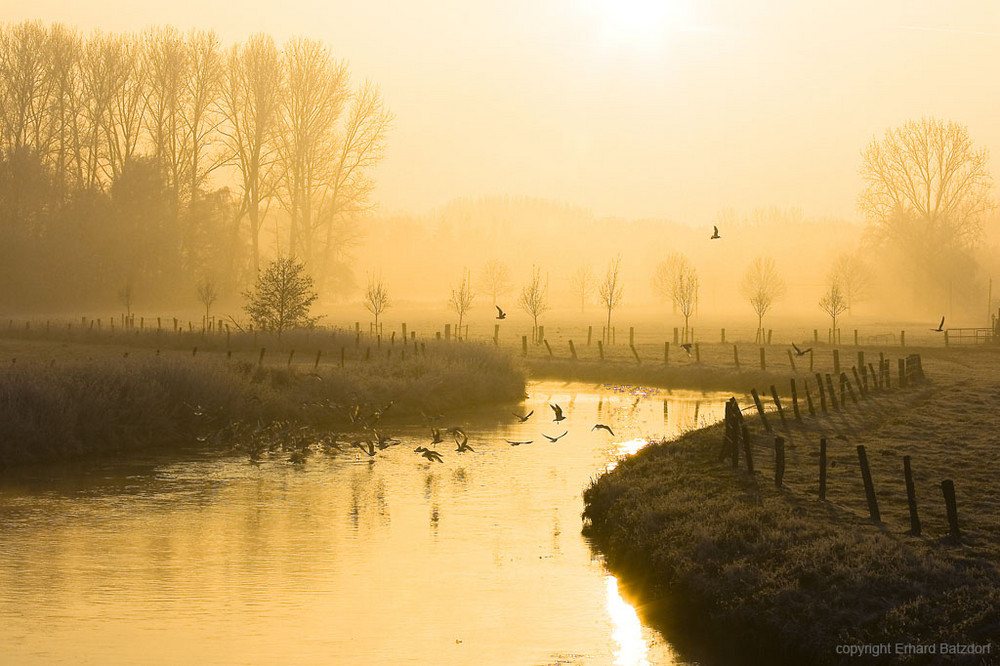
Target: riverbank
{"points": [[61, 400], [776, 572]]}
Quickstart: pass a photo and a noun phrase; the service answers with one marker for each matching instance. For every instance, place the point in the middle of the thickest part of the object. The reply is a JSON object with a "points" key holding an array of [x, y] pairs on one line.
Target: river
{"points": [[204, 557]]}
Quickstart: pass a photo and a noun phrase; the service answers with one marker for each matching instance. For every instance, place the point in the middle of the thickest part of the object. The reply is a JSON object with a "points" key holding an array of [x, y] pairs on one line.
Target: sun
{"points": [[637, 24]]}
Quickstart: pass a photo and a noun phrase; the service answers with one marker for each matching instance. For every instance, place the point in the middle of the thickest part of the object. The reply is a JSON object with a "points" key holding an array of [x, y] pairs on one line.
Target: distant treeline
{"points": [[108, 143]]}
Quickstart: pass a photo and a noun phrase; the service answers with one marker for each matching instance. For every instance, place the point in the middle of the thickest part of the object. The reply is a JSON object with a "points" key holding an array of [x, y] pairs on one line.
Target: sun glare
{"points": [[636, 24]]}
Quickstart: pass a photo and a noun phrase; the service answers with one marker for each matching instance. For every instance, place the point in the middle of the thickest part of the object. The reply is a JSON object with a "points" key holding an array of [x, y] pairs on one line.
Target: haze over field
{"points": [[562, 134]]}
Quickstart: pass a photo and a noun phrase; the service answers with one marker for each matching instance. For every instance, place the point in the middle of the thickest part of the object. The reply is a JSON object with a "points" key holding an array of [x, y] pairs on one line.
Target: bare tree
{"points": [[165, 61], [854, 276], [315, 92], [927, 191], [126, 297], [200, 118], [250, 102], [762, 286], [834, 304], [686, 292], [495, 279], [611, 291], [583, 284], [360, 147], [207, 294], [534, 301], [376, 298], [665, 278], [461, 300]]}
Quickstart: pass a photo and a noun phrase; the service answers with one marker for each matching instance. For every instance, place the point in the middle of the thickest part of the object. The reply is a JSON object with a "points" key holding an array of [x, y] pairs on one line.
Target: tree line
{"points": [[109, 143]]}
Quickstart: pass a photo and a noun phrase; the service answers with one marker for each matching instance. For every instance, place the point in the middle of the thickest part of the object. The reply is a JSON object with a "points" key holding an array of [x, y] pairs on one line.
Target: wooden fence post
{"points": [[631, 336], [590, 333], [548, 347], [697, 352], [319, 352], [777, 403], [747, 450], [871, 373], [809, 400], [902, 338], [194, 352], [795, 402], [857, 380], [822, 392], [760, 409], [723, 341], [676, 336], [635, 353], [902, 373], [822, 469], [948, 489], [846, 382], [810, 360], [779, 460], [736, 357], [341, 357], [291, 354], [524, 345], [447, 331], [763, 363], [833, 395], [496, 335], [600, 349], [911, 497], [836, 362], [666, 353], [368, 353], [866, 477], [260, 359], [791, 360], [572, 350]]}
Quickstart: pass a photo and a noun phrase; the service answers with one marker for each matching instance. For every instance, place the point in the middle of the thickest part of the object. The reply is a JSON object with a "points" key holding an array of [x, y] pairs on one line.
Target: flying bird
{"points": [[524, 418], [715, 233], [558, 410], [800, 352], [601, 426], [436, 436], [687, 347], [431, 455], [500, 313], [940, 326], [556, 438], [512, 443]]}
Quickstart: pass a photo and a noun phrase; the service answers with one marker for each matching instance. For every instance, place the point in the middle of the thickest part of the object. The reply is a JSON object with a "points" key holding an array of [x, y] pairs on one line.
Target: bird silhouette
{"points": [[431, 455], [715, 233], [524, 418], [558, 410], [800, 352], [500, 313], [687, 347], [513, 443], [556, 438], [369, 449], [436, 436], [601, 426], [462, 440], [940, 326]]}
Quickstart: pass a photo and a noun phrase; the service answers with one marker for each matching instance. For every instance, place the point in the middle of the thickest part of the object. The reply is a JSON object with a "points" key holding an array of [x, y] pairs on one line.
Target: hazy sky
{"points": [[674, 108]]}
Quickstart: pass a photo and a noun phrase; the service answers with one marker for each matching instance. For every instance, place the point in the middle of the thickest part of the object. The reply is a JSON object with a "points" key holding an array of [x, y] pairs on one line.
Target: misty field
{"points": [[63, 399], [777, 570]]}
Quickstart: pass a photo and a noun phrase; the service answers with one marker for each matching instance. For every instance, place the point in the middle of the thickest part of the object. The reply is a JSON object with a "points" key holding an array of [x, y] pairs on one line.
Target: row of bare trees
{"points": [[284, 125]]}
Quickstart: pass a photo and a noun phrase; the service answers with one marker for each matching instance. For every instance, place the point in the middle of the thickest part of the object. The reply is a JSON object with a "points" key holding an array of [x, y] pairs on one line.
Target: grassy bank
{"points": [[58, 401], [776, 572]]}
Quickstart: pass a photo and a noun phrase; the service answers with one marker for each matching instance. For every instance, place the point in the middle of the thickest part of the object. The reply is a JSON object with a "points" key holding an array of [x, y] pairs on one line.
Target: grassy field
{"points": [[61, 398], [776, 571]]}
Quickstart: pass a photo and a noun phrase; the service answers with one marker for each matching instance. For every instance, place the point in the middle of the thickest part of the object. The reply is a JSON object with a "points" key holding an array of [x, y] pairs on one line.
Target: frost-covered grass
{"points": [[777, 572], [65, 401]]}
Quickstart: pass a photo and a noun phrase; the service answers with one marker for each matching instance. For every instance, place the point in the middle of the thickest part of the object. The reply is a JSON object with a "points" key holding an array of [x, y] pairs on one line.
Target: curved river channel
{"points": [[206, 558]]}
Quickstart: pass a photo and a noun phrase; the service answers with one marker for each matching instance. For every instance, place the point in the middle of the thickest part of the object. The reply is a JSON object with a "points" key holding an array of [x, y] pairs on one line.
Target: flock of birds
{"points": [[368, 439]]}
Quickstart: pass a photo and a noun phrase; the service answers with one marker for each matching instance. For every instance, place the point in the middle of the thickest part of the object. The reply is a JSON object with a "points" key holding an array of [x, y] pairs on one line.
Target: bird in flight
{"points": [[800, 352], [601, 426], [556, 438], [940, 326], [715, 233], [687, 347], [436, 436], [462, 440], [524, 418], [513, 443], [500, 313], [431, 455], [558, 410]]}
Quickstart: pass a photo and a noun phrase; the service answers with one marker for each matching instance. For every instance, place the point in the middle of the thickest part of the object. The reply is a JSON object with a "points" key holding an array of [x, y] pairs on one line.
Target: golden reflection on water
{"points": [[626, 628]]}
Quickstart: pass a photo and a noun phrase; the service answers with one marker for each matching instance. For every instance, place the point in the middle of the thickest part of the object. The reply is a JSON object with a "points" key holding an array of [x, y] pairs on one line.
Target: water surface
{"points": [[207, 558]]}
